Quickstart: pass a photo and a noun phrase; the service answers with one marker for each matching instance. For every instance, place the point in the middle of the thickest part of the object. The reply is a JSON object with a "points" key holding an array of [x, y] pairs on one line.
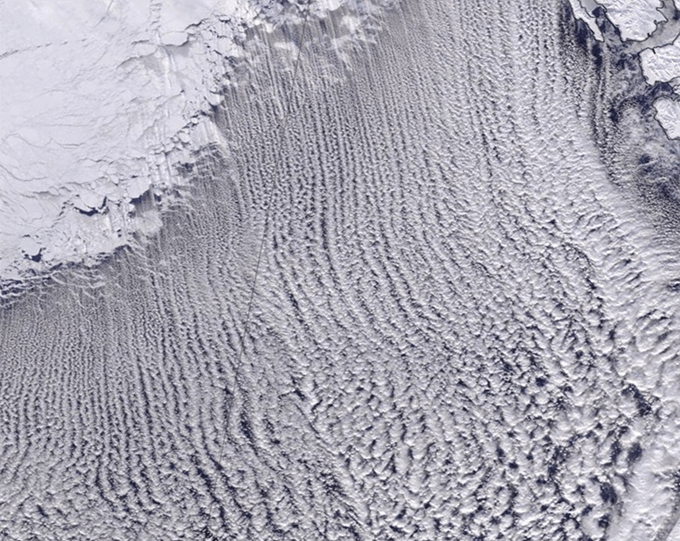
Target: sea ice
{"points": [[635, 19], [101, 100]]}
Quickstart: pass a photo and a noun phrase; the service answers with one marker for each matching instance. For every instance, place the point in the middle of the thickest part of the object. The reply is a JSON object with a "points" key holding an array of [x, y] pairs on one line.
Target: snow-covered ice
{"points": [[635, 19], [99, 99]]}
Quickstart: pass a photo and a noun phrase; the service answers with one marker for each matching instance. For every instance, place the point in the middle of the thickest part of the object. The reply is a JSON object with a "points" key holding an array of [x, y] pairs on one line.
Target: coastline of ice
{"points": [[583, 10], [101, 102], [638, 21], [635, 19]]}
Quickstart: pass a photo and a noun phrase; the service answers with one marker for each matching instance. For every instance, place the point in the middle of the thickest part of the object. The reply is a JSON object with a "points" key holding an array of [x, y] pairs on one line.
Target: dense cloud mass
{"points": [[419, 280]]}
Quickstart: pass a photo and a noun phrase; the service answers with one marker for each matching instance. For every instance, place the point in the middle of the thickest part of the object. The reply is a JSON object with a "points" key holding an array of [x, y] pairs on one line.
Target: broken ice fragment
{"points": [[30, 248], [89, 203]]}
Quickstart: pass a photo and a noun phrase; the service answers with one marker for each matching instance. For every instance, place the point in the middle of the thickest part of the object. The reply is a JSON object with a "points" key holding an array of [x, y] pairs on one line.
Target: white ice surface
{"points": [[99, 100], [96, 96], [668, 115], [635, 19], [675, 533], [581, 11], [661, 63]]}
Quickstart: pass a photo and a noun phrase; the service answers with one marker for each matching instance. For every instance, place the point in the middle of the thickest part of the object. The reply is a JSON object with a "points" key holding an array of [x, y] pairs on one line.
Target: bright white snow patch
{"points": [[635, 19], [98, 99], [668, 115], [582, 12], [661, 63], [675, 533]]}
